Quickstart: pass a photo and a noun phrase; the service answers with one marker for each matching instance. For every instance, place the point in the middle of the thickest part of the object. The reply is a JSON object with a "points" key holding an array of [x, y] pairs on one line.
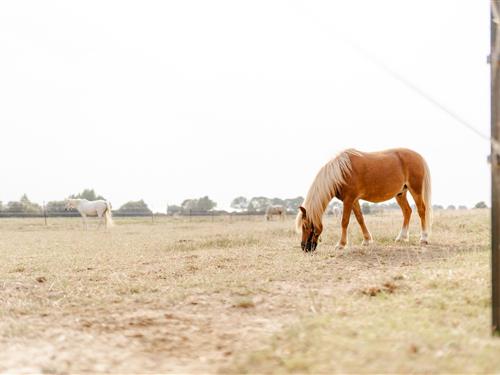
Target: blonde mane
{"points": [[327, 183]]}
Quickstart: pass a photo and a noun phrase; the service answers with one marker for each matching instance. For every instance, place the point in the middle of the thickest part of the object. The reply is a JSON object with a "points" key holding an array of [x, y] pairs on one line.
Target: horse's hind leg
{"points": [[101, 218], [367, 237], [405, 207], [420, 203]]}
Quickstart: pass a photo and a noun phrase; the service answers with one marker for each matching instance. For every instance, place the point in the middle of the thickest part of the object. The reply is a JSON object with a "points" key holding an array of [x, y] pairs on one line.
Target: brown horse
{"points": [[372, 176], [275, 210]]}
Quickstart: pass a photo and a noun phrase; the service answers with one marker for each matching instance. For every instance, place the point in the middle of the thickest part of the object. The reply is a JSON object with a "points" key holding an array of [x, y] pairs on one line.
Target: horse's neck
{"points": [[320, 194], [318, 204]]}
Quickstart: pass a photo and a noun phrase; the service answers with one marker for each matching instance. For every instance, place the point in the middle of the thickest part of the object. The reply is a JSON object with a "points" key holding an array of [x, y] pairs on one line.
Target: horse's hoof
{"points": [[402, 239], [367, 242], [339, 247], [424, 242]]}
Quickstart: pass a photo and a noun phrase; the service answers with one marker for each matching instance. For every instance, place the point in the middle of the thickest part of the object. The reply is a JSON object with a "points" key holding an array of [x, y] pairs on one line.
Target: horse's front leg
{"points": [[367, 237], [346, 215], [84, 219]]}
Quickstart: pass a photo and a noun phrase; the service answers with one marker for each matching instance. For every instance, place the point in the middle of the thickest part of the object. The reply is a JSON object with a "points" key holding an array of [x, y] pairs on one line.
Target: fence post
{"points": [[495, 166], [45, 213]]}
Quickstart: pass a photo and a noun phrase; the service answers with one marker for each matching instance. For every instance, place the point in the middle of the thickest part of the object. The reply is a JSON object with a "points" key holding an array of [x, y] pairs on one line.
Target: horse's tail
{"points": [[427, 193], [108, 216]]}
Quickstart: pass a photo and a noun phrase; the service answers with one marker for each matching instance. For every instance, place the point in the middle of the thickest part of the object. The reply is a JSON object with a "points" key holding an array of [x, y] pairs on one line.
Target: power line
{"points": [[370, 56], [422, 93]]}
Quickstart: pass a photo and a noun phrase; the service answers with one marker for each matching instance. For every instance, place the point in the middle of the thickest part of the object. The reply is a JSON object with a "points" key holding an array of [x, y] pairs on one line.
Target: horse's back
{"points": [[381, 175], [379, 164], [387, 161], [92, 208]]}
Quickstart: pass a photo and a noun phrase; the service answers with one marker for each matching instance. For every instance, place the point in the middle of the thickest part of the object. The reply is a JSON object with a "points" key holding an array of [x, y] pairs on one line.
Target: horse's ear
{"points": [[303, 211]]}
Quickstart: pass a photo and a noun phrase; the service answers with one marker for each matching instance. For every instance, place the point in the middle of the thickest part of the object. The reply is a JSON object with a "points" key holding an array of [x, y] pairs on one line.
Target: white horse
{"points": [[100, 208]]}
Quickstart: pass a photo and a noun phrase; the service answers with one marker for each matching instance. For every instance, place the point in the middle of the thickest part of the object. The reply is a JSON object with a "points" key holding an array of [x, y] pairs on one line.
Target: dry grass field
{"points": [[238, 296]]}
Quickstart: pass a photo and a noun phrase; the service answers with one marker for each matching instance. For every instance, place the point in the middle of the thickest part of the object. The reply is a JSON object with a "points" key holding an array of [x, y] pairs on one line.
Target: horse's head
{"points": [[310, 232], [69, 204]]}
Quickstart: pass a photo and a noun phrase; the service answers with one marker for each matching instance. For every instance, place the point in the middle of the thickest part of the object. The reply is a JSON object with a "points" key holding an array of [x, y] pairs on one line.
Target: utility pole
{"points": [[495, 165]]}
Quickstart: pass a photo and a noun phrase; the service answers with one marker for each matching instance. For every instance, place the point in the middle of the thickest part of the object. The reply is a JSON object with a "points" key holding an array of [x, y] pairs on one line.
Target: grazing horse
{"points": [[99, 208], [275, 210], [372, 176]]}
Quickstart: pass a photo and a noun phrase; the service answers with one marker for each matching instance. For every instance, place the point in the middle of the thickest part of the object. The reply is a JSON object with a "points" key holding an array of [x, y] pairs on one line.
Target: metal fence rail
{"points": [[48, 214]]}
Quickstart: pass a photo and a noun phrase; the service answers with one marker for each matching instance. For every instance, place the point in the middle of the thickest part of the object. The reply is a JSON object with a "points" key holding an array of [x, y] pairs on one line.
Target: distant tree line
{"points": [[368, 208], [24, 207], [260, 204], [255, 205], [196, 206]]}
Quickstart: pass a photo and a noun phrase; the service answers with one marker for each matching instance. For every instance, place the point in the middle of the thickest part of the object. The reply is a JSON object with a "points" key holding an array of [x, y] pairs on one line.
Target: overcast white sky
{"points": [[167, 100]]}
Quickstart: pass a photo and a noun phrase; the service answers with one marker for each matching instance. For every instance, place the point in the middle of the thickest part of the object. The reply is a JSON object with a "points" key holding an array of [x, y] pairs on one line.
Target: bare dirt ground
{"points": [[238, 296]]}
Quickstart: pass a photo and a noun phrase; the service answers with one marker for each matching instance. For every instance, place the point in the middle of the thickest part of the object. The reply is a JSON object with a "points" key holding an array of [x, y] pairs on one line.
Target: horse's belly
{"points": [[380, 192], [377, 198]]}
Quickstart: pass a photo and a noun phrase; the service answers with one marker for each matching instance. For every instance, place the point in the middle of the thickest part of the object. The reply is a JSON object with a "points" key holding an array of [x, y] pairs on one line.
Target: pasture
{"points": [[226, 296]]}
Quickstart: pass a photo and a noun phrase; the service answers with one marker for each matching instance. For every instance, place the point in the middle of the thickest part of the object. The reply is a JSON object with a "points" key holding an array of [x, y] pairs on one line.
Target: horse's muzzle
{"points": [[308, 246]]}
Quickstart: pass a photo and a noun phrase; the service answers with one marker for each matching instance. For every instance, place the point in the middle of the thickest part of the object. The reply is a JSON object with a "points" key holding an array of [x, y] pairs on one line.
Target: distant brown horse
{"points": [[372, 176], [275, 210]]}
